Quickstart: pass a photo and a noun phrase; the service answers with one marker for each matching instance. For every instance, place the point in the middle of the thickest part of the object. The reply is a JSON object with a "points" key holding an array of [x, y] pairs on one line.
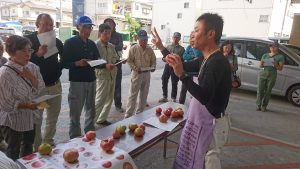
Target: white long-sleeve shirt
{"points": [[13, 91]]}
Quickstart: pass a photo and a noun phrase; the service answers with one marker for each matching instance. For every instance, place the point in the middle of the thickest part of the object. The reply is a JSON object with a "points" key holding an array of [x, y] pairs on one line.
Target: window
{"points": [[186, 5], [136, 7], [287, 59], [162, 27], [179, 15], [263, 18], [37, 12], [102, 4], [237, 46], [14, 11], [146, 11], [250, 1], [255, 50]]}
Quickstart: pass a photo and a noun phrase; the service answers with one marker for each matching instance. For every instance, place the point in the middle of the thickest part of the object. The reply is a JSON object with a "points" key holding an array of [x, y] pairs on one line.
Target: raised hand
{"points": [[156, 39], [27, 74], [42, 50]]}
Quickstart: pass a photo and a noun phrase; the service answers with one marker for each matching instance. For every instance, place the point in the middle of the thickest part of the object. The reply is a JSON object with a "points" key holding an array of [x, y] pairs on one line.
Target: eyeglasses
{"points": [[27, 51]]}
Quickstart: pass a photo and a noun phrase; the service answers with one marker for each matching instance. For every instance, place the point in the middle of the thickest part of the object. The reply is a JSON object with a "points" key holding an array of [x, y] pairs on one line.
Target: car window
{"points": [[288, 60], [255, 50], [237, 46]]}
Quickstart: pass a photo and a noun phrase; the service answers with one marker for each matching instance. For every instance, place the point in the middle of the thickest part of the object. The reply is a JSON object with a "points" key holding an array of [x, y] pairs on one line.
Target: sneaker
{"points": [[263, 109], [104, 123], [258, 109], [163, 100], [120, 109]]}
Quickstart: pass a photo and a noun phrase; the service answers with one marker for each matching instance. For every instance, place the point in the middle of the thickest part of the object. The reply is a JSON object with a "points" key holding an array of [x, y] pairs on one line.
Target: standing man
{"points": [[106, 78], [179, 50], [51, 69], [78, 50], [206, 128], [142, 61], [117, 40]]}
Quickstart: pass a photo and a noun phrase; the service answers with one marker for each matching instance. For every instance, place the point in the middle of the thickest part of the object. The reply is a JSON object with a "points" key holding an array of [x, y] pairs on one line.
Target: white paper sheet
{"points": [[49, 39], [147, 69], [93, 63], [154, 121], [268, 62], [44, 98]]}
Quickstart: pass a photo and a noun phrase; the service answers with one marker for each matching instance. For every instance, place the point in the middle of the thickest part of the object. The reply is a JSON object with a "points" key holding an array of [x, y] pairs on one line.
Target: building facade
{"points": [[249, 18], [27, 12], [98, 10]]}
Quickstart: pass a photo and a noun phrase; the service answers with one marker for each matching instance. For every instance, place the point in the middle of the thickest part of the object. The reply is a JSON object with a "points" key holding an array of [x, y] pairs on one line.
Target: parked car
{"points": [[27, 30], [250, 51], [5, 32]]}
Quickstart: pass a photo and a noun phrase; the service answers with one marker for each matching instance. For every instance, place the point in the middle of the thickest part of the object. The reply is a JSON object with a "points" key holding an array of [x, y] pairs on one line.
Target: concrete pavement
{"points": [[252, 143]]}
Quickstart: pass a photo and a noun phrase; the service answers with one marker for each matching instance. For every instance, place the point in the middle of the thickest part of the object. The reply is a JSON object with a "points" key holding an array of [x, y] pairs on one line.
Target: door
{"points": [[250, 63]]}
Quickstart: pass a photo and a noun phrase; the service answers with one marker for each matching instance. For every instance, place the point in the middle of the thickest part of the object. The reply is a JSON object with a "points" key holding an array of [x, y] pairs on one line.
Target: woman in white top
{"points": [[21, 81]]}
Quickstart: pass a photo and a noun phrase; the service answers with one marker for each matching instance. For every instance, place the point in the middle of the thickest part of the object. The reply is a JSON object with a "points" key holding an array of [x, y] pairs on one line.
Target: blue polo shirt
{"points": [[76, 49]]}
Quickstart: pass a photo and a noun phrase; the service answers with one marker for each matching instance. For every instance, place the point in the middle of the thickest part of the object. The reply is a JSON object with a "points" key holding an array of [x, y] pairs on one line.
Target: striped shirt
{"points": [[140, 58], [7, 163], [13, 91]]}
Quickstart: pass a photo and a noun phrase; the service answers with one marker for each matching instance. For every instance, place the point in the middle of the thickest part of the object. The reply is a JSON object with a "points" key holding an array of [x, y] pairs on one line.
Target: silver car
{"points": [[250, 51]]}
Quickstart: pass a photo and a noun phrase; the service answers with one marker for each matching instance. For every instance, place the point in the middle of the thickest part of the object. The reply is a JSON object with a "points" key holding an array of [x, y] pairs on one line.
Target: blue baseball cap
{"points": [[142, 34], [84, 20]]}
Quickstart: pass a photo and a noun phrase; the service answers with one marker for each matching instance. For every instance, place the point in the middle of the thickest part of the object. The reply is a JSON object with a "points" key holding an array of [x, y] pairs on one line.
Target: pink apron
{"points": [[195, 138]]}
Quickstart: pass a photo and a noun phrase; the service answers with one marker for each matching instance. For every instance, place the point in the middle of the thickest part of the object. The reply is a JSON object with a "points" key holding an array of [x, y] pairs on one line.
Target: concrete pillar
{"points": [[295, 33]]}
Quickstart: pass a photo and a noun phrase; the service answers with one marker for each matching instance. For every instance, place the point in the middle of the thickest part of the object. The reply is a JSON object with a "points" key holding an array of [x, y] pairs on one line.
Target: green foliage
{"points": [[134, 25]]}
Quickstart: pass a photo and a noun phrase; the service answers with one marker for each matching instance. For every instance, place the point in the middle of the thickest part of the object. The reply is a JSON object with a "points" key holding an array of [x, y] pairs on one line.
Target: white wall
{"points": [[165, 13], [241, 18]]}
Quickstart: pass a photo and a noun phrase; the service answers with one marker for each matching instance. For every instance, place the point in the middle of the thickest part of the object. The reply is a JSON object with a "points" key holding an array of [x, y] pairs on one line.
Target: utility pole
{"points": [[284, 15], [60, 13]]}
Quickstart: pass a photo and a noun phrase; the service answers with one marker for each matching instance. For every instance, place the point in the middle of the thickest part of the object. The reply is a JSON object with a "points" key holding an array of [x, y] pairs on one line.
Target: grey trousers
{"points": [[140, 84], [81, 94], [52, 113]]}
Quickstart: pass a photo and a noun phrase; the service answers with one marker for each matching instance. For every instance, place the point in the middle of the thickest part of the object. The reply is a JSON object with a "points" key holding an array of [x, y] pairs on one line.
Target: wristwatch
{"points": [[183, 76]]}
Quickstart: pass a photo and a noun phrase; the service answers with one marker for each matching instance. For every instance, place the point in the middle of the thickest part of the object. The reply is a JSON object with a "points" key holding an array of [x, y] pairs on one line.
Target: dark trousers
{"points": [[182, 94], [19, 143], [168, 71], [118, 87]]}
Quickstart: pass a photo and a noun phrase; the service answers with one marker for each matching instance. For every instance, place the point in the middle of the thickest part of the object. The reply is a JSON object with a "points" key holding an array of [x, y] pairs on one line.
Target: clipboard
{"points": [[120, 62]]}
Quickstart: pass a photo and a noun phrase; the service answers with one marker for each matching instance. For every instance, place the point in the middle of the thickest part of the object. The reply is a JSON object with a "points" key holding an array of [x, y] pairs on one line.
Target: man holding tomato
{"points": [[207, 127]]}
